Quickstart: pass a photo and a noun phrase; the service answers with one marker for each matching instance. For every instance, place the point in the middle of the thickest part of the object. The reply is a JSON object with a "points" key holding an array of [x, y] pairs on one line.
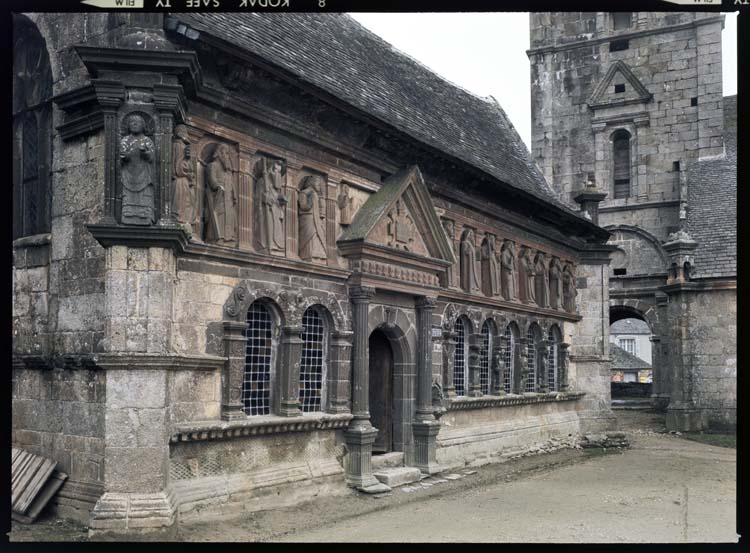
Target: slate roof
{"points": [[712, 205], [622, 360], [629, 326], [340, 56]]}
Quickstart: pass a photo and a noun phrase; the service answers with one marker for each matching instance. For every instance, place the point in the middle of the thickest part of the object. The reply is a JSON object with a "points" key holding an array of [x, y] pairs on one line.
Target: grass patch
{"points": [[710, 438]]}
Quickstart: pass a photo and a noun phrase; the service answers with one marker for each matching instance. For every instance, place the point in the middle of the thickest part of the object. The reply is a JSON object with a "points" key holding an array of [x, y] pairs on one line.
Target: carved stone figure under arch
{"points": [[221, 197], [469, 273], [184, 199], [311, 219], [508, 284], [270, 205], [137, 170], [490, 277]]}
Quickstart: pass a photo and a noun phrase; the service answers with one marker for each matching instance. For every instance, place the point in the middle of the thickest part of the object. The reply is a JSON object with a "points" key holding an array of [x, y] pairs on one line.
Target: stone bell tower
{"points": [[626, 102]]}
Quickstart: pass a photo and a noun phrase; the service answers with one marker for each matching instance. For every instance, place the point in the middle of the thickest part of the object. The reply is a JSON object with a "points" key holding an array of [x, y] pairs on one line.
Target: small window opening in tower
{"points": [[622, 20], [676, 166], [694, 101], [618, 45], [620, 272], [619, 88]]}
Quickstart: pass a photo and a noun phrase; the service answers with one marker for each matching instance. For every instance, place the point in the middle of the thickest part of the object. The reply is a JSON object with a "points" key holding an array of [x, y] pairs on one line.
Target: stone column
{"points": [[449, 352], [543, 366], [288, 376], [473, 388], [234, 370], [425, 427], [360, 435], [564, 362], [522, 374], [339, 372], [170, 103]]}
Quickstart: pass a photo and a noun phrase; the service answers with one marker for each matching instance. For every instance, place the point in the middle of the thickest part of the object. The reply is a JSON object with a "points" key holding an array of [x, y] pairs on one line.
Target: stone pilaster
{"points": [[331, 226], [110, 96], [425, 427], [360, 435], [339, 372], [245, 207], [542, 385], [170, 103], [234, 370], [473, 387], [293, 175], [449, 352], [288, 376], [564, 363]]}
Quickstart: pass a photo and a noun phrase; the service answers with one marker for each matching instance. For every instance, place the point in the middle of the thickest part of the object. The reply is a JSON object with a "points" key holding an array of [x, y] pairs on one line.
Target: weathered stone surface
{"points": [[398, 476]]}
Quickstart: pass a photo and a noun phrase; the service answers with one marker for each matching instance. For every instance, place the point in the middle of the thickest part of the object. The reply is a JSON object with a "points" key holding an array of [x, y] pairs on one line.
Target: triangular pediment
{"points": [[400, 217], [619, 75]]}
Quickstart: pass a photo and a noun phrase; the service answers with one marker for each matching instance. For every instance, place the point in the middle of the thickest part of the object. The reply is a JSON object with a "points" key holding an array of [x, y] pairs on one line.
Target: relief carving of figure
{"points": [[137, 173], [469, 276], [311, 217], [490, 281], [569, 289], [541, 280], [555, 284], [498, 371], [221, 198], [183, 177], [345, 204], [528, 291], [508, 272], [270, 205]]}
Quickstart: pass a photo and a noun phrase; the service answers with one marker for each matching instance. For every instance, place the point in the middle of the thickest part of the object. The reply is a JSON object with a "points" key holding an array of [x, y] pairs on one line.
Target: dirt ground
{"points": [[662, 489]]}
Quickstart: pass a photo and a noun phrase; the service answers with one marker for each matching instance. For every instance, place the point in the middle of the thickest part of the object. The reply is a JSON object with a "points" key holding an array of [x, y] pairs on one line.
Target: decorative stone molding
{"points": [[132, 511], [466, 403], [254, 426], [163, 361]]}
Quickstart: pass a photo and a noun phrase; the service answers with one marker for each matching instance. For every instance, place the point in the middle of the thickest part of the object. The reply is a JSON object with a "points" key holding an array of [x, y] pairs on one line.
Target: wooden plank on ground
{"points": [[47, 492], [29, 475]]}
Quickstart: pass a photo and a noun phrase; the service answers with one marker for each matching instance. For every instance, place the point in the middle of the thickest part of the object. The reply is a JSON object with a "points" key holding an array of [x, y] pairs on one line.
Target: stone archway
{"points": [[643, 311]]}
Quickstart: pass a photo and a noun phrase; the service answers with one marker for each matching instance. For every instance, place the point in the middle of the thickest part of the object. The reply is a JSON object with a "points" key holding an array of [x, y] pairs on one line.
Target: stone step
{"points": [[387, 460], [398, 476]]}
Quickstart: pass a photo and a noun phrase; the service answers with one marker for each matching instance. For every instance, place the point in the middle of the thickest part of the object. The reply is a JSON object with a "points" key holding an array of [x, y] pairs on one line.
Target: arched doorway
{"points": [[381, 390], [633, 355]]}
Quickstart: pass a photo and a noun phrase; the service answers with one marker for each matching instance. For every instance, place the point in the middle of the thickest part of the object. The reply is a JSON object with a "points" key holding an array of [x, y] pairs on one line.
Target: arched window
{"points": [[32, 130], [460, 357], [510, 368], [553, 359], [259, 362], [531, 378], [621, 163], [485, 351], [313, 363]]}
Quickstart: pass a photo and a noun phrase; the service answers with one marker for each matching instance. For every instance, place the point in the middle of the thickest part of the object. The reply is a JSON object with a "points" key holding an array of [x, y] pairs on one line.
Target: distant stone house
{"points": [[633, 336], [626, 367], [252, 252]]}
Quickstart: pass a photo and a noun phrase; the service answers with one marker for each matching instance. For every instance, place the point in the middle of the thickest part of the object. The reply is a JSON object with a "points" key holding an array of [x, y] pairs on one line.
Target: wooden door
{"points": [[381, 391]]}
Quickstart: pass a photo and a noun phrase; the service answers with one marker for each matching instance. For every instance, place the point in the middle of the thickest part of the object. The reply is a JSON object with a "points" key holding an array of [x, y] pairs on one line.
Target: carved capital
{"points": [[361, 294], [425, 302]]}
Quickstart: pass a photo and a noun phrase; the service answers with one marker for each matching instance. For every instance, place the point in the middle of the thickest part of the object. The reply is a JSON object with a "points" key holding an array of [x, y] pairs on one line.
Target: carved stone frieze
{"points": [[395, 272]]}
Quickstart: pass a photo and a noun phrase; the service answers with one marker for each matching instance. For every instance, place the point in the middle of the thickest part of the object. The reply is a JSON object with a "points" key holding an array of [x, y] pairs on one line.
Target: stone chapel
{"points": [[258, 257]]}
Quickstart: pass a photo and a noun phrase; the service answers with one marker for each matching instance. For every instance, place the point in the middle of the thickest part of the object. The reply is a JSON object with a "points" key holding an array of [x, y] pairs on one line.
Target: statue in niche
{"points": [[498, 371], [469, 277], [490, 281], [137, 173], [508, 271], [183, 177], [541, 280], [450, 232], [528, 291], [569, 289], [221, 198], [311, 217], [270, 205], [555, 284], [345, 204]]}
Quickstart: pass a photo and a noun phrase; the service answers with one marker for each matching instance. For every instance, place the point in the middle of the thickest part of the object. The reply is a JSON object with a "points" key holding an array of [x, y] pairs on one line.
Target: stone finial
{"points": [[589, 199]]}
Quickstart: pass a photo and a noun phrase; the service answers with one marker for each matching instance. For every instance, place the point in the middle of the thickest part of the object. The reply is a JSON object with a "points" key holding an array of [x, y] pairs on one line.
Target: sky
{"points": [[485, 53]]}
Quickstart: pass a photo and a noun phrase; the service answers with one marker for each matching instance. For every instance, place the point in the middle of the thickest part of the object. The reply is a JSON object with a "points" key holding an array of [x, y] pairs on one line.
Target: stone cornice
{"points": [[253, 426], [484, 301], [623, 36], [701, 286], [158, 361], [645, 205], [466, 403]]}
